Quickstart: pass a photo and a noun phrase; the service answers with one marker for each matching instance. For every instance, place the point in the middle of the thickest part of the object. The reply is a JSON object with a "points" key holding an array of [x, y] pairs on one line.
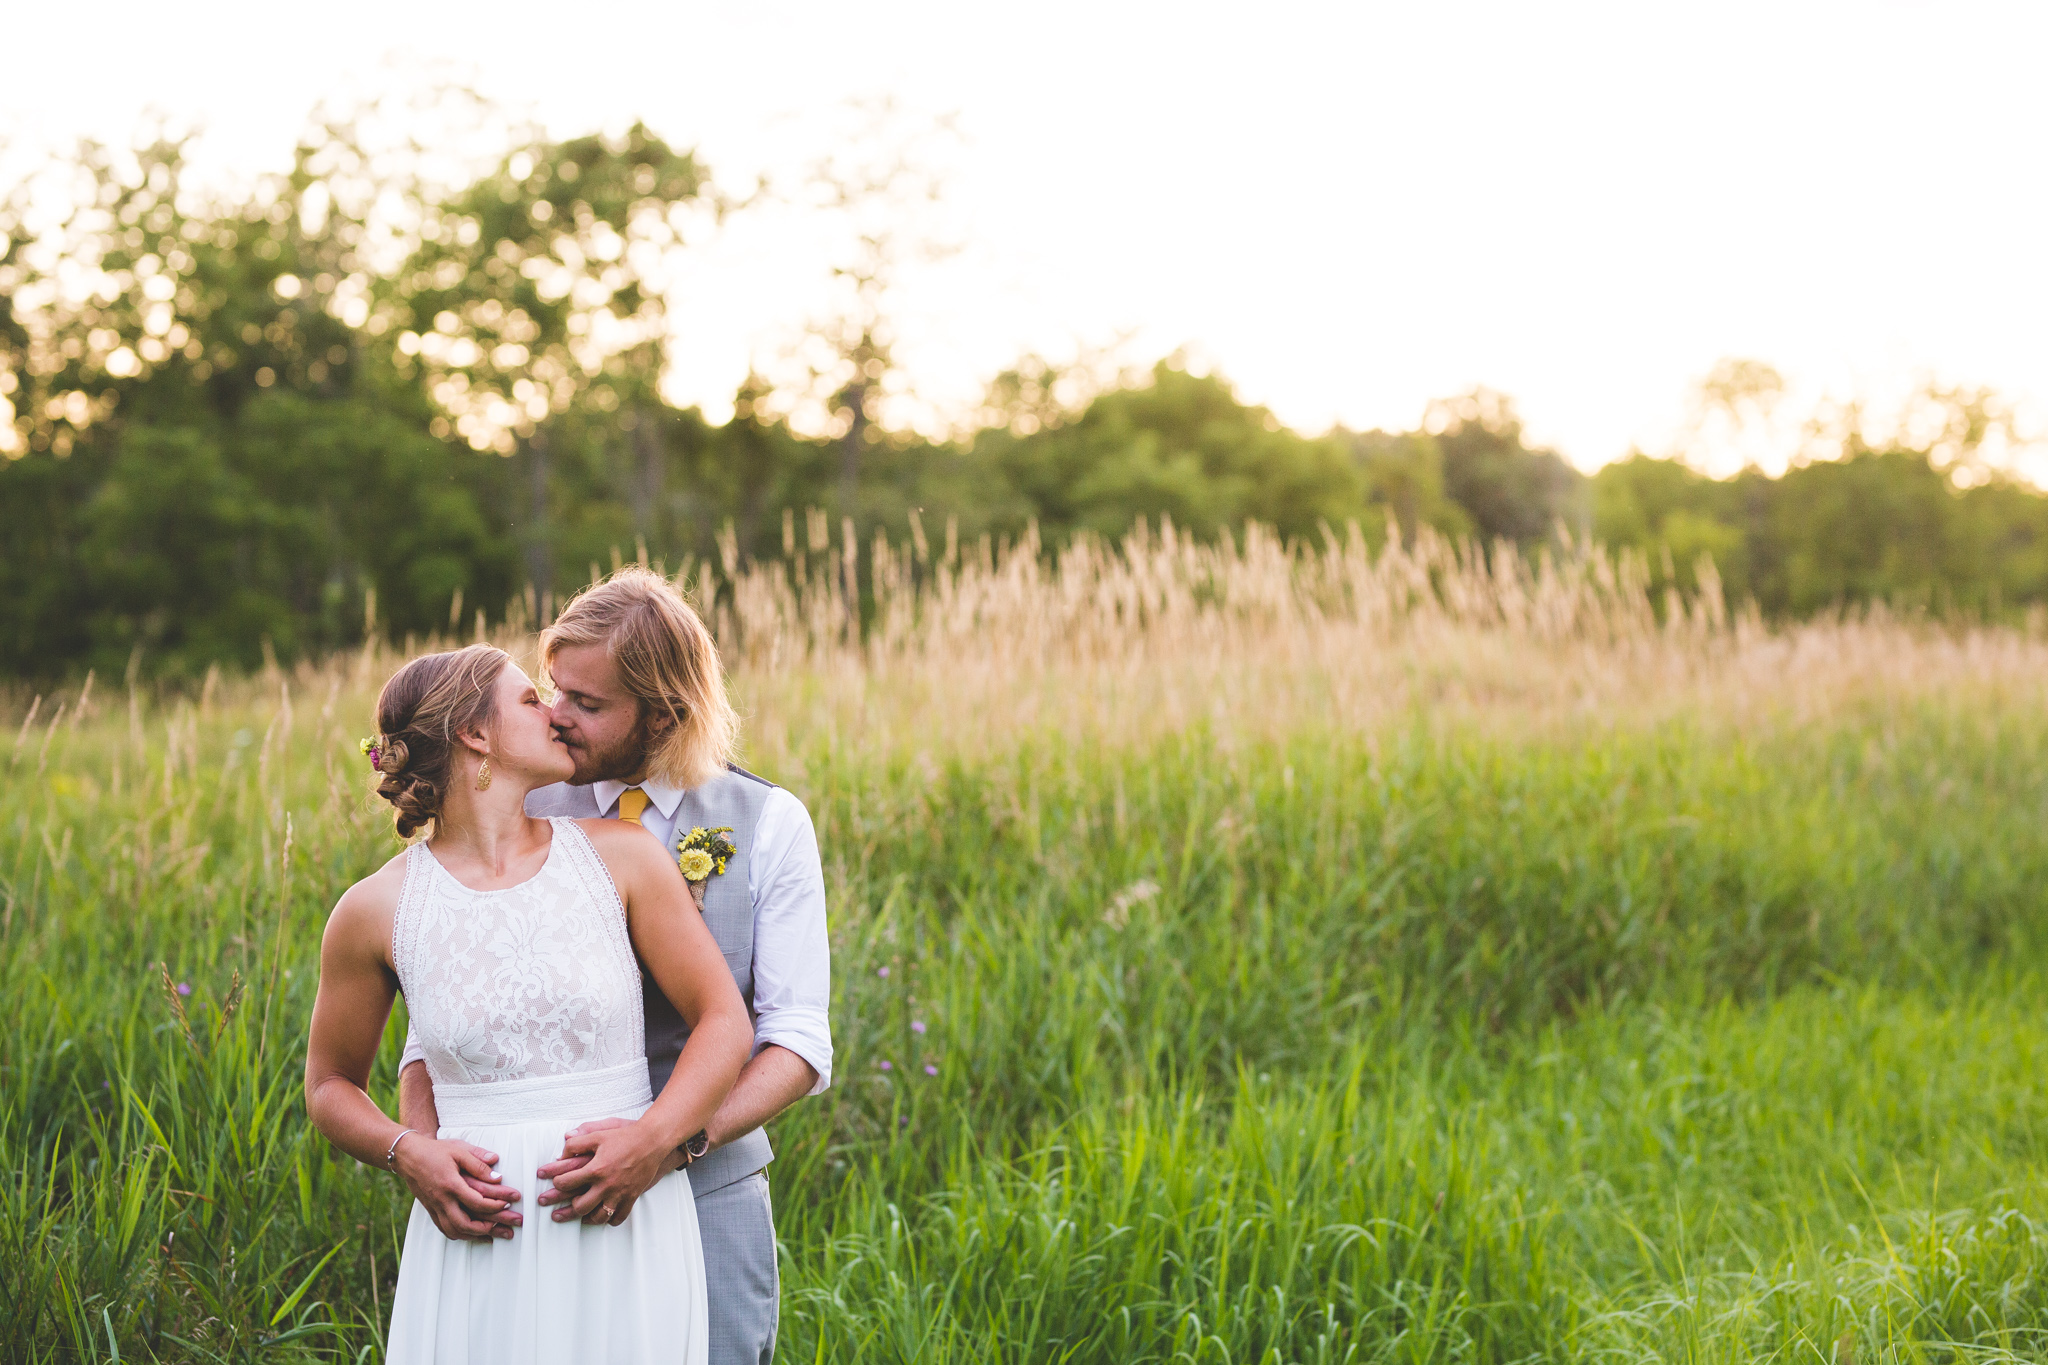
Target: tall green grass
{"points": [[1740, 1184], [1704, 1032]]}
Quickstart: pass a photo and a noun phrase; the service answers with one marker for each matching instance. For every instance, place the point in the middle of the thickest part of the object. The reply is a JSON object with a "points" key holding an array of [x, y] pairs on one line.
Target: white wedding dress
{"points": [[527, 1002]]}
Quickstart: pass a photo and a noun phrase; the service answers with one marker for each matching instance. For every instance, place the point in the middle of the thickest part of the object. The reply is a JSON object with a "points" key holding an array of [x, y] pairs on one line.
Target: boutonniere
{"points": [[702, 853]]}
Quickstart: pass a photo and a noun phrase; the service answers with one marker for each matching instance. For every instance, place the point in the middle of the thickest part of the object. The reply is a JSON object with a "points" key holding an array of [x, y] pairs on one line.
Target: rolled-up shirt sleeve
{"points": [[413, 1051], [792, 953]]}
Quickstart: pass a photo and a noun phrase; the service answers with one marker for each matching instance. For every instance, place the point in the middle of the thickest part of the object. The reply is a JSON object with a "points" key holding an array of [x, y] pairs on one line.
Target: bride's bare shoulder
{"points": [[369, 904], [606, 834], [623, 847]]}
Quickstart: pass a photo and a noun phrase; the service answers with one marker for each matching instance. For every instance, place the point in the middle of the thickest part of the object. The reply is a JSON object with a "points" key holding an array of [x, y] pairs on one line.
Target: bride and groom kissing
{"points": [[596, 1038]]}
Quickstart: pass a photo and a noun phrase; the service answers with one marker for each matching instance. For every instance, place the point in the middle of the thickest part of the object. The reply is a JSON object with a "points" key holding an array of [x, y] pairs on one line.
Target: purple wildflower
{"points": [[888, 1065], [930, 1070], [882, 972], [917, 1026], [184, 988]]}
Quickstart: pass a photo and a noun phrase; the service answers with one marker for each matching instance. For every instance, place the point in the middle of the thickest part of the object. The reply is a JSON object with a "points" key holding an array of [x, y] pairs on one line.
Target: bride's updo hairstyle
{"points": [[421, 710]]}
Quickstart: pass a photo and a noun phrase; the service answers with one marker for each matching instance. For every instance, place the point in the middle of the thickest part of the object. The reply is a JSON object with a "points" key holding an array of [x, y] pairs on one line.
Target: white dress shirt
{"points": [[792, 955]]}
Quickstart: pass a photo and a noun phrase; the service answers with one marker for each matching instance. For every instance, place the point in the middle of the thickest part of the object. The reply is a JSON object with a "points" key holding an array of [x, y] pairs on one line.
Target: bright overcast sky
{"points": [[1347, 208]]}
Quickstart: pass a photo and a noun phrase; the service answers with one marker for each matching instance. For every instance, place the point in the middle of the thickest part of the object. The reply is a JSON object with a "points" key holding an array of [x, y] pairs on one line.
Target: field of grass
{"points": [[1237, 957]]}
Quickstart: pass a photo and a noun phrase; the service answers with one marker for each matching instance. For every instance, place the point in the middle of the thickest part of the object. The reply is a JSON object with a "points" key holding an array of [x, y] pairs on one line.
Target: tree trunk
{"points": [[648, 474], [539, 559], [850, 447]]}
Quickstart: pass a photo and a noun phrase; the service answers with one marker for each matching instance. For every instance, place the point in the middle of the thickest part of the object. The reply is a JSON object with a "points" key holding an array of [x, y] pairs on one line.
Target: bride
{"points": [[514, 943]]}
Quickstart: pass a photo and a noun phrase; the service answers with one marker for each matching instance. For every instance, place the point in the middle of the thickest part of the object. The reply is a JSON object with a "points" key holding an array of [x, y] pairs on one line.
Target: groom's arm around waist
{"points": [[792, 974], [792, 979]]}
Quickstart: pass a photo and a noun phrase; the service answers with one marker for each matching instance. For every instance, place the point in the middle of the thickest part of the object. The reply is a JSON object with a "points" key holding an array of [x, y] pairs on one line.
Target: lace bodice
{"points": [[533, 980]]}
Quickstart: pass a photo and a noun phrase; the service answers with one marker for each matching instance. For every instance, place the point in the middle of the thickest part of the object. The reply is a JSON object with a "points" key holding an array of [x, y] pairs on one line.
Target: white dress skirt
{"points": [[536, 988]]}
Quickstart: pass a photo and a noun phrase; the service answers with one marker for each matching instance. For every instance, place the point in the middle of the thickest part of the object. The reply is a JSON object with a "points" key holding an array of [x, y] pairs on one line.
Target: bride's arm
{"points": [[354, 1001], [678, 951]]}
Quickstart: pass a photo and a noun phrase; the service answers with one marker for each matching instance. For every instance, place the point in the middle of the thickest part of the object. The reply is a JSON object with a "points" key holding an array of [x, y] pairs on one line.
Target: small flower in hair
{"points": [[370, 749]]}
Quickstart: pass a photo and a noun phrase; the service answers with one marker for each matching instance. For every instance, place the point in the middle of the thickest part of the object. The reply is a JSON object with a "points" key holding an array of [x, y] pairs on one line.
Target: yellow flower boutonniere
{"points": [[702, 853]]}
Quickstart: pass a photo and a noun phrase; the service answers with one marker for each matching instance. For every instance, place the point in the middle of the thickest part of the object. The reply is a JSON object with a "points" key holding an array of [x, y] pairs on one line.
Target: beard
{"points": [[614, 763]]}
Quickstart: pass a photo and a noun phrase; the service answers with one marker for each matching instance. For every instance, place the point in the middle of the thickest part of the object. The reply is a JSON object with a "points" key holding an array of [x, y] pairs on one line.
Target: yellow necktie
{"points": [[632, 801]]}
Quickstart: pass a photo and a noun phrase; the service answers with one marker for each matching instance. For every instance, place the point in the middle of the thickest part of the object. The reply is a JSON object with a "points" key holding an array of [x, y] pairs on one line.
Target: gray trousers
{"points": [[737, 1222]]}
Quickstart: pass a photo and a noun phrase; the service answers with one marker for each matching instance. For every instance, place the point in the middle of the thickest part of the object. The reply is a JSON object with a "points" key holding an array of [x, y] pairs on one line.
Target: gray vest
{"points": [[734, 798]]}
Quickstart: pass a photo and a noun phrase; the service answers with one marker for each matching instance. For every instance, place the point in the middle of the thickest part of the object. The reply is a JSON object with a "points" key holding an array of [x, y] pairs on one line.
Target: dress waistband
{"points": [[540, 1099]]}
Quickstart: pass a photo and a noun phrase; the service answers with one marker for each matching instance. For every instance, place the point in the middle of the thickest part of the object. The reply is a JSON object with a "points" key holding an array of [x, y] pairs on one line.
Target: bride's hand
{"points": [[605, 1166], [456, 1185]]}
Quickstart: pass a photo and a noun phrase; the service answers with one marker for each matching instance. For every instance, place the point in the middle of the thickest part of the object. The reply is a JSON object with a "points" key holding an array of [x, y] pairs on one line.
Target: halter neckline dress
{"points": [[526, 1001]]}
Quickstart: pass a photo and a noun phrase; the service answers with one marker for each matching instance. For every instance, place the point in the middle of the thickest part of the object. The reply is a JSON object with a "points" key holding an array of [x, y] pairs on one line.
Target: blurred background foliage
{"points": [[353, 397]]}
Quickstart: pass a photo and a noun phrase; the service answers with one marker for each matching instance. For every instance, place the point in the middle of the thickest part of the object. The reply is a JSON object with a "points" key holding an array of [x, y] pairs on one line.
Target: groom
{"points": [[640, 702]]}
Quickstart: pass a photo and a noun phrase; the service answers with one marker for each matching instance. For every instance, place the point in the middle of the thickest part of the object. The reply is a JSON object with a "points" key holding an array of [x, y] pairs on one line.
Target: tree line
{"points": [[349, 398]]}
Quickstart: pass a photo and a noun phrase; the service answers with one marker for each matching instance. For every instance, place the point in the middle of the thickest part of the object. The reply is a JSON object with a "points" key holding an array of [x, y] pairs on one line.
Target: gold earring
{"points": [[483, 776]]}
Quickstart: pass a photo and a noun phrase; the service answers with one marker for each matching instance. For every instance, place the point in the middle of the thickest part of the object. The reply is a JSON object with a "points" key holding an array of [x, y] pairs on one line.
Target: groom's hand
{"points": [[605, 1166], [565, 1163], [456, 1185]]}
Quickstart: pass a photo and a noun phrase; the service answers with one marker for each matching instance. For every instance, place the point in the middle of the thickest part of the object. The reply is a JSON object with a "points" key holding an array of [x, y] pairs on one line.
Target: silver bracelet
{"points": [[391, 1157]]}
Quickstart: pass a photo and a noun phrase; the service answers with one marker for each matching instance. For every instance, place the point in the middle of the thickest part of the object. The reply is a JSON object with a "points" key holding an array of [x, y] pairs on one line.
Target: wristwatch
{"points": [[694, 1147]]}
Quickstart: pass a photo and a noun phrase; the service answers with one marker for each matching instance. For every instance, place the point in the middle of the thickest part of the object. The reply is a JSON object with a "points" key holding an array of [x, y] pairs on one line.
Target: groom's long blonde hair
{"points": [[668, 662]]}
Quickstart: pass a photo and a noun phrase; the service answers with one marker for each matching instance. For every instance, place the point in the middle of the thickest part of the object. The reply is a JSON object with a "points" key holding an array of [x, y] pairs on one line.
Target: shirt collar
{"points": [[663, 797]]}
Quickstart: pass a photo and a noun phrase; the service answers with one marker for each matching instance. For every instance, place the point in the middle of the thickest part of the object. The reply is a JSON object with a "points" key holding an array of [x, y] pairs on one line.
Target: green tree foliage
{"points": [[232, 422], [1675, 514], [206, 454], [534, 295], [1180, 446], [1883, 521], [1404, 479], [1509, 491]]}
